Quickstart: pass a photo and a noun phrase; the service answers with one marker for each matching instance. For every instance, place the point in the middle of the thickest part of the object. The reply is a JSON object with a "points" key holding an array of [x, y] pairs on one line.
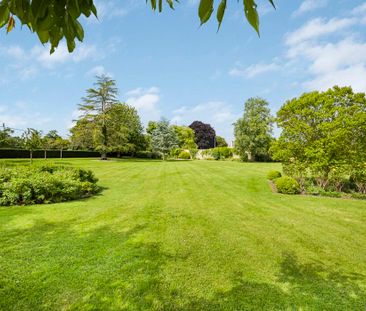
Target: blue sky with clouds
{"points": [[166, 65]]}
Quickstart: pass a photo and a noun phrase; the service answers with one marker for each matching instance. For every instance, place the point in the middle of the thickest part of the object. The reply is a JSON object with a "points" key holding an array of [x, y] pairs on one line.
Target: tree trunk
{"points": [[61, 153], [105, 141], [45, 154], [31, 156]]}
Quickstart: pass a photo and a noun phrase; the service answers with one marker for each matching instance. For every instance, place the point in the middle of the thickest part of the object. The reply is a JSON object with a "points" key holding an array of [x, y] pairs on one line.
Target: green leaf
{"points": [[205, 10], [70, 45], [86, 8], [171, 4], [45, 23], [4, 14], [79, 31], [271, 1], [43, 36], [73, 8], [39, 8], [153, 4], [94, 10], [250, 9], [220, 12]]}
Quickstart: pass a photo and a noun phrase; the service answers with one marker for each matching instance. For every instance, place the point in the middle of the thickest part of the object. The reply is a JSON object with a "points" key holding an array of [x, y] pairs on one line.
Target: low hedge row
{"points": [[21, 154]]}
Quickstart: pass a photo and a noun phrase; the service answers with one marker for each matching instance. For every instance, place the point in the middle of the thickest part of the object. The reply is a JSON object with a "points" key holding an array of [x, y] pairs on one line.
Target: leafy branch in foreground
{"points": [[53, 20]]}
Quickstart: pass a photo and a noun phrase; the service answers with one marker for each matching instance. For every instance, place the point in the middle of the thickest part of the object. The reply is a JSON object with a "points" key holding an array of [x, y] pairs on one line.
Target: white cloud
{"points": [[342, 63], [253, 70], [361, 9], [109, 9], [340, 60], [75, 115], [22, 117], [28, 72], [216, 113], [309, 5], [98, 71], [62, 55], [146, 102], [27, 64], [14, 51], [317, 28]]}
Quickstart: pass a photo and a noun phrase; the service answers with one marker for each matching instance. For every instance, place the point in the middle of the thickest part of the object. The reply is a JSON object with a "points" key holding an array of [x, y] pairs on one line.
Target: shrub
{"points": [[287, 185], [219, 153], [215, 153], [175, 152], [358, 179], [193, 153], [272, 175], [184, 155], [45, 184], [244, 157]]}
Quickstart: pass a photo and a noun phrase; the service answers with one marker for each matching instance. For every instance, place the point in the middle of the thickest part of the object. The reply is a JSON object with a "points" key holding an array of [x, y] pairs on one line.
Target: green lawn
{"points": [[184, 235]]}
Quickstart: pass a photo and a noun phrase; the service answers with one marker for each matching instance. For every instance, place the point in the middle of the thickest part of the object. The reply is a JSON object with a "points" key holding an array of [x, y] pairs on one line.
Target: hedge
{"points": [[19, 153]]}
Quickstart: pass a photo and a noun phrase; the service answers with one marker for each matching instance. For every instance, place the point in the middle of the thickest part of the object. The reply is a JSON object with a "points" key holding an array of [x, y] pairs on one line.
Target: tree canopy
{"points": [[185, 136], [205, 135], [164, 138], [253, 132], [54, 20], [323, 133], [96, 106], [221, 142]]}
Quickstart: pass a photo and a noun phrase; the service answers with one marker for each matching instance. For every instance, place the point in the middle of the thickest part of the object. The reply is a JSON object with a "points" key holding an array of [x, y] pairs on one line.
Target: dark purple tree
{"points": [[205, 136]]}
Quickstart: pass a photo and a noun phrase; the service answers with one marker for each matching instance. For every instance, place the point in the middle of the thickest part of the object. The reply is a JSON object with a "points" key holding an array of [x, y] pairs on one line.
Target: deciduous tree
{"points": [[205, 135], [253, 132], [32, 140], [322, 133], [221, 142]]}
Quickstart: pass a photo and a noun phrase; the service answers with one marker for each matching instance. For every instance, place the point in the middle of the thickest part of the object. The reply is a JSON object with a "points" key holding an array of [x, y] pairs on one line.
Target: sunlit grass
{"points": [[184, 235]]}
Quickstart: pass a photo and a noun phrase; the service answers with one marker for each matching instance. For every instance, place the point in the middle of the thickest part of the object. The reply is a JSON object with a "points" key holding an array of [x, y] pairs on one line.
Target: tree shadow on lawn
{"points": [[62, 265], [310, 286]]}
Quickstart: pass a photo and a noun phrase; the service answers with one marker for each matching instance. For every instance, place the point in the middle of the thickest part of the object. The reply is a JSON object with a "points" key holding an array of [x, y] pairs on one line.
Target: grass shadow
{"points": [[63, 265]]}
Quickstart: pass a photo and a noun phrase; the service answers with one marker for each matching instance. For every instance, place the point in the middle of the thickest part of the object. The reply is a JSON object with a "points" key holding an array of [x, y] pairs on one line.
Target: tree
{"points": [[55, 20], [126, 131], [163, 138], [61, 144], [52, 136], [322, 133], [205, 135], [221, 142], [151, 126], [6, 137], [185, 137], [32, 140], [253, 132], [82, 135], [48, 141], [96, 105]]}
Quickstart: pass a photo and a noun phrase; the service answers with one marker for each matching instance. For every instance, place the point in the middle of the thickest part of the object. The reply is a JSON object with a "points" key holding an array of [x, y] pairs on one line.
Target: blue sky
{"points": [[166, 65]]}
